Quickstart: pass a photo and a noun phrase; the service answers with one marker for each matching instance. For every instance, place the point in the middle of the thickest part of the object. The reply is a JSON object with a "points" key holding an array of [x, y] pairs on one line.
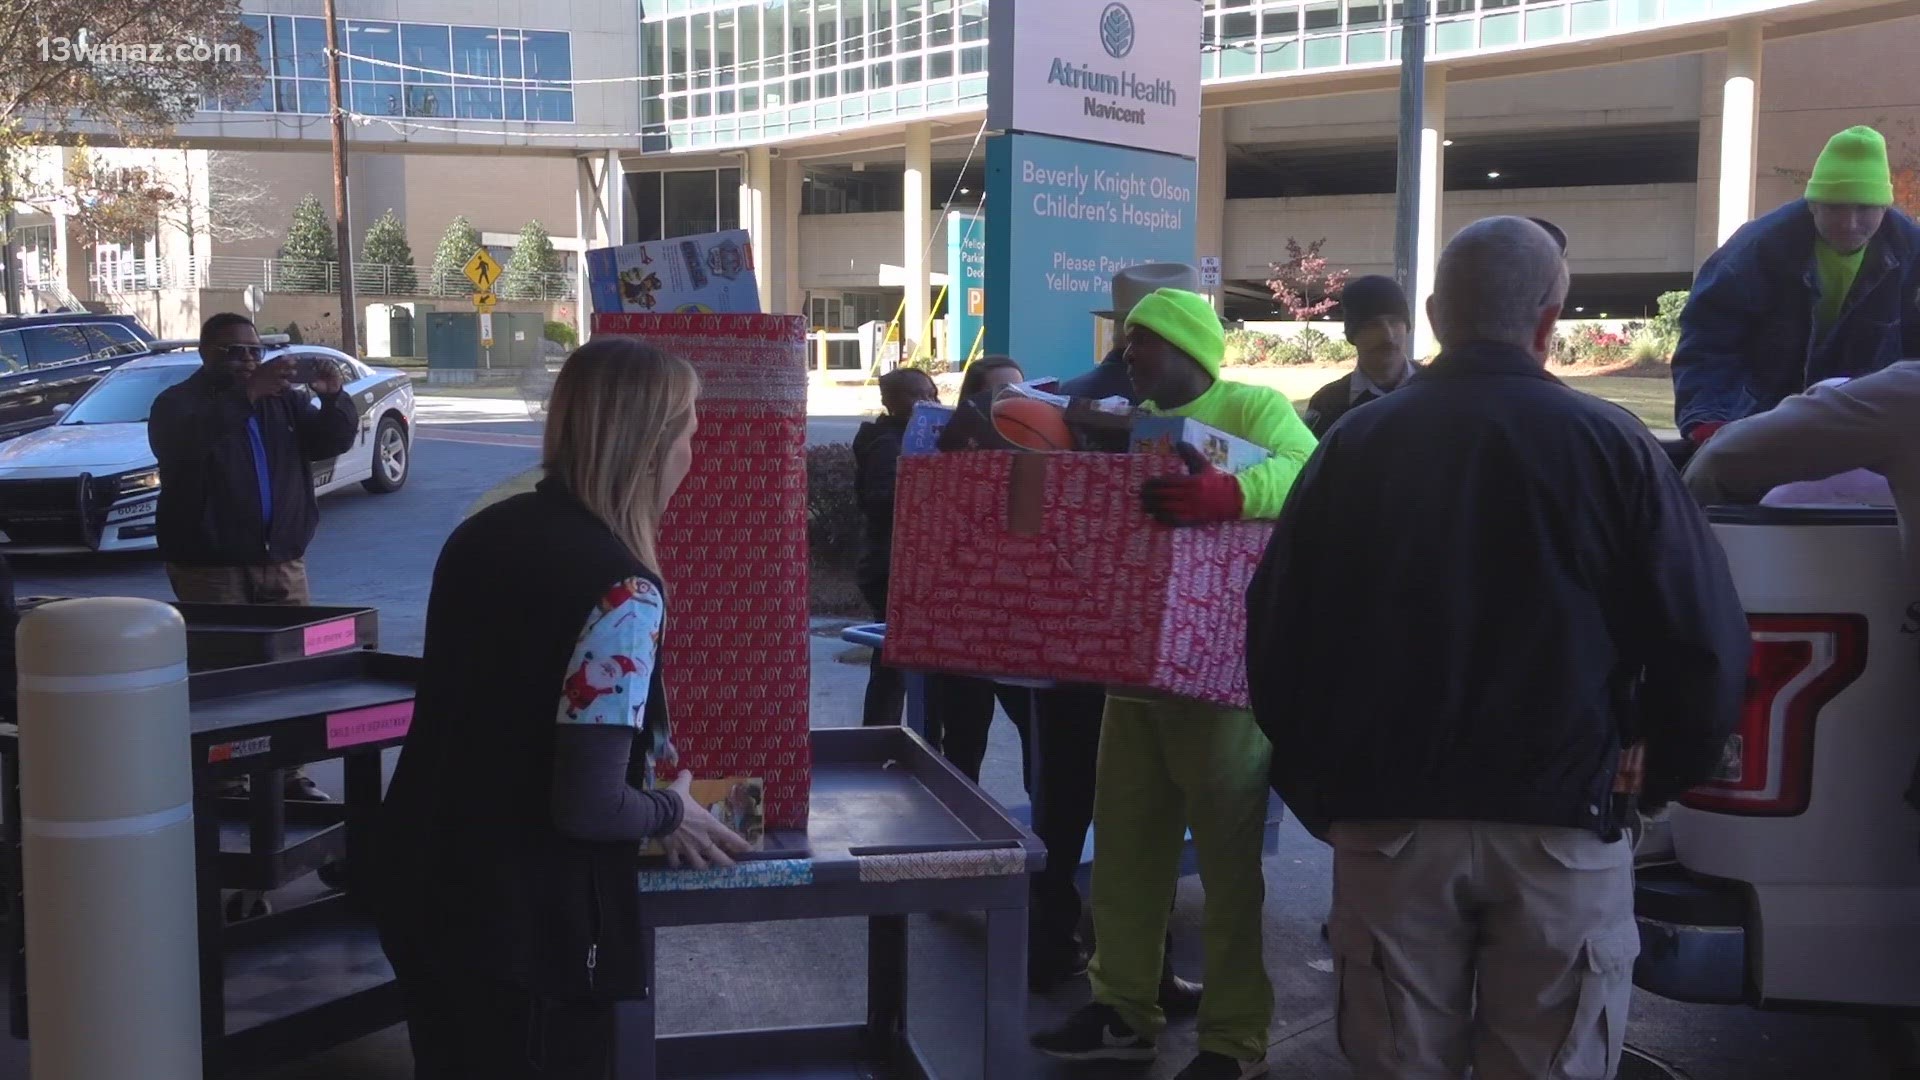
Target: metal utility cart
{"points": [[874, 636], [894, 831], [262, 720]]}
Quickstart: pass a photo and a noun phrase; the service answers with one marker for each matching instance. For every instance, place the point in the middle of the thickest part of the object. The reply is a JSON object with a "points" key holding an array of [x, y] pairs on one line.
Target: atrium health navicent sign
{"points": [[1123, 72]]}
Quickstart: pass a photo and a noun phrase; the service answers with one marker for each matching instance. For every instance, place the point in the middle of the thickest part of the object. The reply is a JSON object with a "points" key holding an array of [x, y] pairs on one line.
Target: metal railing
{"points": [[295, 276]]}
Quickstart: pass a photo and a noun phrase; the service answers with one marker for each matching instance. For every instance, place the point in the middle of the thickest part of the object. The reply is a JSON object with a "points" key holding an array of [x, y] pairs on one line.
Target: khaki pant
{"points": [[1505, 948], [281, 583]]}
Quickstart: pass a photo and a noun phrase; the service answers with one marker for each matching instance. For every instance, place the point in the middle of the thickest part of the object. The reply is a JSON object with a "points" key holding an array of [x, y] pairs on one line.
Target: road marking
{"points": [[474, 438]]}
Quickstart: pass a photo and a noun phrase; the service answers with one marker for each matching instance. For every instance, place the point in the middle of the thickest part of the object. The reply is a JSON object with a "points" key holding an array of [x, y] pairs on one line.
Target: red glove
{"points": [[1702, 432], [1204, 496]]}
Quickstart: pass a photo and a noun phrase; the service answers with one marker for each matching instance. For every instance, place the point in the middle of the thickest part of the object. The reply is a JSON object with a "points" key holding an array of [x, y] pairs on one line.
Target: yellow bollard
{"points": [[106, 796]]}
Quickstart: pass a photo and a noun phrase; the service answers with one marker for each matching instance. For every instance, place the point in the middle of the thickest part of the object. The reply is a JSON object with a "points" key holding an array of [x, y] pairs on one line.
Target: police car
{"points": [[89, 482]]}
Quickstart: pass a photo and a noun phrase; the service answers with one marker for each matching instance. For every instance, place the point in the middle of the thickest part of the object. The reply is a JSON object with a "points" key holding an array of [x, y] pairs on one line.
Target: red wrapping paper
{"points": [[1045, 566], [733, 549]]}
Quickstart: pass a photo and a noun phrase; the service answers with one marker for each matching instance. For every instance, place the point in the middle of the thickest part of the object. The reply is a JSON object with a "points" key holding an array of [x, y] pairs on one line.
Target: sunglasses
{"points": [[245, 352]]}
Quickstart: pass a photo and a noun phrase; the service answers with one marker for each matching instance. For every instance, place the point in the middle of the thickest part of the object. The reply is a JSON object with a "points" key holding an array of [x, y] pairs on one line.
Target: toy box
{"points": [[733, 550], [1160, 434], [1045, 566]]}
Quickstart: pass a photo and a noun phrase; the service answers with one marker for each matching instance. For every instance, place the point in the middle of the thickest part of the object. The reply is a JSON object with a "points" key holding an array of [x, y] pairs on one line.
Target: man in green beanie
{"points": [[1825, 286], [1168, 765]]}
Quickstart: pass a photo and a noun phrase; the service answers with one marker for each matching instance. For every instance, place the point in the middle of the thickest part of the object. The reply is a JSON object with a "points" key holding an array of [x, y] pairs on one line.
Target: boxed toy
{"points": [[738, 802], [1161, 434], [689, 275], [1046, 566], [733, 550], [922, 436]]}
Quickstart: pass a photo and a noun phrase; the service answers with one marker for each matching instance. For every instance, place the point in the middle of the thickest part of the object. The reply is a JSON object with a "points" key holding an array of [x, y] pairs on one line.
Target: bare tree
{"points": [[231, 205]]}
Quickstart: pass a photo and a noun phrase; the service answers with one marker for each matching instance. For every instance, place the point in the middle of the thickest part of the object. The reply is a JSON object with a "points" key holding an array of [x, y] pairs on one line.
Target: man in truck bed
{"points": [[1824, 286]]}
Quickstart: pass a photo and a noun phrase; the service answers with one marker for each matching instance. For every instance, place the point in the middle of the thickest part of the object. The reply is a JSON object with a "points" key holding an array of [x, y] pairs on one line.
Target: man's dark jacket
{"points": [[9, 623], [876, 464], [1109, 380], [209, 490], [1747, 334], [1482, 588], [1336, 399]]}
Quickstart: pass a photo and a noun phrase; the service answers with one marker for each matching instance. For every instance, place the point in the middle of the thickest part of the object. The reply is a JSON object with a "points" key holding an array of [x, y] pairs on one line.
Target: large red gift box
{"points": [[733, 550], [1045, 566]]}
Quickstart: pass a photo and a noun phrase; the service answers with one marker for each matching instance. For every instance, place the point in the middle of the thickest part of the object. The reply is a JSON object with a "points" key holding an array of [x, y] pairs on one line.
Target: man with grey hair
{"points": [[1536, 592]]}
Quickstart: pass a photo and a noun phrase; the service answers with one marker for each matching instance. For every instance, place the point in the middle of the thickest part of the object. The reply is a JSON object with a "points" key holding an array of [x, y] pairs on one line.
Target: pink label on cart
{"points": [[331, 637], [377, 724]]}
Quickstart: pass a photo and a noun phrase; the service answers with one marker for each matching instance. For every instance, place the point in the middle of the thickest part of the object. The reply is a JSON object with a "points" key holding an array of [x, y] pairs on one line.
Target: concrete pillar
{"points": [[916, 198], [756, 192], [1433, 171], [793, 299], [1210, 234], [583, 214], [106, 821], [1739, 119], [613, 203]]}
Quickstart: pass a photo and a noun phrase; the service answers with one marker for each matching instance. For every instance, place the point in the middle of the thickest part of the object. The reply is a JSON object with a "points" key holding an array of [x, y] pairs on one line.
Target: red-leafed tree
{"points": [[1303, 285]]}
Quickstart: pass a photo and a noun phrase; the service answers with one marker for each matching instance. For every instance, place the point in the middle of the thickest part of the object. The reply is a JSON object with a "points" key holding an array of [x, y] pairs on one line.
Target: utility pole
{"points": [[8, 254], [1413, 99], [349, 335]]}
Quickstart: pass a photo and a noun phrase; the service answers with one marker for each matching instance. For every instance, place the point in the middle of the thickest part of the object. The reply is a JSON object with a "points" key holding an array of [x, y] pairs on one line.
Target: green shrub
{"points": [[561, 333], [833, 510]]}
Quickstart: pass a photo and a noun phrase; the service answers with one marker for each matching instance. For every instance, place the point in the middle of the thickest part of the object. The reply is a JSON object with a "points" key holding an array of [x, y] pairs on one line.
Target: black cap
{"points": [[1373, 297]]}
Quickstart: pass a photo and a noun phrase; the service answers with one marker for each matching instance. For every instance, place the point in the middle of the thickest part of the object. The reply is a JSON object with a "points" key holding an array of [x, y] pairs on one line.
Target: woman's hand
{"points": [[700, 841]]}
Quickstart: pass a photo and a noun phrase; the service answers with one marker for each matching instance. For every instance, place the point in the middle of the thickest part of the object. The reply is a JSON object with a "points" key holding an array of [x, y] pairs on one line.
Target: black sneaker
{"points": [[1095, 1033], [1212, 1066], [1179, 998]]}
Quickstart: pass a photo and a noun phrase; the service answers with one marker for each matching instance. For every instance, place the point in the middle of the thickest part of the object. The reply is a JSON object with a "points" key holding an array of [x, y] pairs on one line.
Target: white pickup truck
{"points": [[1794, 876]]}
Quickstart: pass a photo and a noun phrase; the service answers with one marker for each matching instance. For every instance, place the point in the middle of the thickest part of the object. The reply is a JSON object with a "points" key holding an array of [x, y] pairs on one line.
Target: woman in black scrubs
{"points": [[505, 884]]}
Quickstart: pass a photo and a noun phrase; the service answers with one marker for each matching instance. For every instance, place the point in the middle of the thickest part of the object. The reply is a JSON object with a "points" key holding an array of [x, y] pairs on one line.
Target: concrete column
{"points": [[917, 200], [613, 202], [1210, 233], [582, 227], [1739, 118], [1433, 171], [106, 824], [756, 192], [793, 299]]}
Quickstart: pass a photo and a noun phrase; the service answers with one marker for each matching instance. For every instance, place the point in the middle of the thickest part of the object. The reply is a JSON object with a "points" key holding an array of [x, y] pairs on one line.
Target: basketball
{"points": [[1035, 425]]}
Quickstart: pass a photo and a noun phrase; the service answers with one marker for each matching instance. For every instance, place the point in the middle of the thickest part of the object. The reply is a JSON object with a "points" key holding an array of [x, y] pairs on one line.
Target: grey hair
{"points": [[1495, 279]]}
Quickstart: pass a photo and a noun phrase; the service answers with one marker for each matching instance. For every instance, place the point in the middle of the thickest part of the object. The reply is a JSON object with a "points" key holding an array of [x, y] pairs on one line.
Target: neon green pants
{"points": [[1166, 766]]}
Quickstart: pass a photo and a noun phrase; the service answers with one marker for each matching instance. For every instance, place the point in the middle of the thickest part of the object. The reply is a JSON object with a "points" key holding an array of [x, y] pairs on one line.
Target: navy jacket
{"points": [[1747, 335], [1482, 588], [1110, 379]]}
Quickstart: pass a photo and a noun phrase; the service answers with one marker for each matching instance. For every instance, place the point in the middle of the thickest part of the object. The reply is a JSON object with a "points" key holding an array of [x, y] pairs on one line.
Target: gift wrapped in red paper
{"points": [[1045, 566], [733, 550]]}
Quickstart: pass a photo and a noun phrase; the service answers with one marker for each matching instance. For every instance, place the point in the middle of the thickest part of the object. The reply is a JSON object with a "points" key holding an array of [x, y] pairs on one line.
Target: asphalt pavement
{"points": [[380, 550]]}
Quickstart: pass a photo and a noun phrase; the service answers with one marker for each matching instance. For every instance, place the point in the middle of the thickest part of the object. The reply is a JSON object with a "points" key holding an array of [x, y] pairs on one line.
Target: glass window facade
{"points": [[684, 202], [422, 70]]}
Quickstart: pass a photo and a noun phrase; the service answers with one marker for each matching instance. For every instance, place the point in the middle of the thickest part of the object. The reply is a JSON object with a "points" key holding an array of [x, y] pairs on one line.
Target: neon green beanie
{"points": [[1852, 171], [1187, 321]]}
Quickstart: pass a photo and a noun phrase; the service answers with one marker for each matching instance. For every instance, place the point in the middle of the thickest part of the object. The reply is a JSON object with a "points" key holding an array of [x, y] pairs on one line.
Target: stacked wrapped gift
{"points": [[1035, 564], [734, 555]]}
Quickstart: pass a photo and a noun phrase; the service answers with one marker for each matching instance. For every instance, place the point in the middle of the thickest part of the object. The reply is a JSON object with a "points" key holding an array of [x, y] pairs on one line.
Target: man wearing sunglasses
{"points": [[236, 446]]}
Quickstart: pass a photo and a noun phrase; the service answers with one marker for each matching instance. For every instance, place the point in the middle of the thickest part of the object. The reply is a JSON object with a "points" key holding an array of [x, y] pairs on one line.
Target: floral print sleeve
{"points": [[613, 663]]}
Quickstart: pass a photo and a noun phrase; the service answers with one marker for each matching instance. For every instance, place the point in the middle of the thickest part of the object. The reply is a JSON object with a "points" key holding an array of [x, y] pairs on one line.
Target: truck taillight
{"points": [[1800, 663]]}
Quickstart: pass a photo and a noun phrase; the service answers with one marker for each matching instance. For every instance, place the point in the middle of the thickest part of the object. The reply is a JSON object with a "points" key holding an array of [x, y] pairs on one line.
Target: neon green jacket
{"points": [[1265, 418]]}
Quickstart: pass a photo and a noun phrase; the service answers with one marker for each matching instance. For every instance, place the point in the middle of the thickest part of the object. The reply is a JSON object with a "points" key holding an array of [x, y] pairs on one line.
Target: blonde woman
{"points": [[507, 899]]}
